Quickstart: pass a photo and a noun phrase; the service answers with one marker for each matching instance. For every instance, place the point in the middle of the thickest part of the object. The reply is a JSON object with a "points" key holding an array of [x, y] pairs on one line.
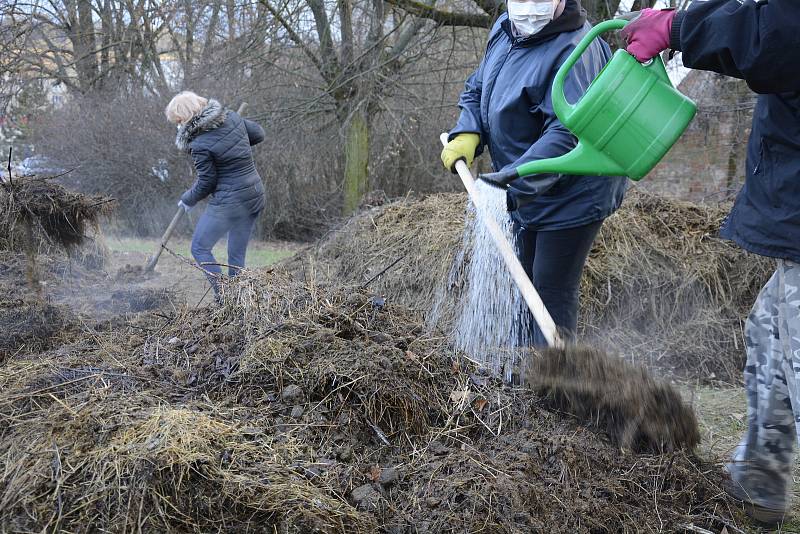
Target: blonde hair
{"points": [[184, 106]]}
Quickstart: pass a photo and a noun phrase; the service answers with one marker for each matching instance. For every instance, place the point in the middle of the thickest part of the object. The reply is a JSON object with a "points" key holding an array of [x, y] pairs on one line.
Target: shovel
{"points": [[529, 293], [641, 413], [151, 263]]}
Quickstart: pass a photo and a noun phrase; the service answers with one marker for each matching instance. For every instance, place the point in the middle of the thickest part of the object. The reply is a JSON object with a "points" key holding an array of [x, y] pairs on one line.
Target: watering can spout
{"points": [[500, 179], [583, 160]]}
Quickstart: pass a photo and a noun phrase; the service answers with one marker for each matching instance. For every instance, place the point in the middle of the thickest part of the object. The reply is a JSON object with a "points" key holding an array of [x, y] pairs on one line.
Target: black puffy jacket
{"points": [[758, 42], [219, 142]]}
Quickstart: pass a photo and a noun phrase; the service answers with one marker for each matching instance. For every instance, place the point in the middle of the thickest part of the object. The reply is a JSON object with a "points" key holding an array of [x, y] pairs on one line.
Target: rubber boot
{"points": [[762, 515]]}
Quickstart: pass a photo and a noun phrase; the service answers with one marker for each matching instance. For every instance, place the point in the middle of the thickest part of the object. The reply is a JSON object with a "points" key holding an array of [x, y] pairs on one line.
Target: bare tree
{"points": [[360, 49], [125, 45]]}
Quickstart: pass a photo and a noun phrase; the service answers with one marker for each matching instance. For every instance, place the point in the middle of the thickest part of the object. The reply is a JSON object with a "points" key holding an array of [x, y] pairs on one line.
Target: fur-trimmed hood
{"points": [[212, 116]]}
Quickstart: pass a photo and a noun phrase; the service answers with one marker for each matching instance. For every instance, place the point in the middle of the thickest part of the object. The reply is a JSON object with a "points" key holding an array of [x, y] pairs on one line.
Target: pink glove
{"points": [[648, 34]]}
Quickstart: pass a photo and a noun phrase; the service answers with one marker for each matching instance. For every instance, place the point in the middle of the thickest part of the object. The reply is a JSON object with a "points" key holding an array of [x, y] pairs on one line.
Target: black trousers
{"points": [[554, 260]]}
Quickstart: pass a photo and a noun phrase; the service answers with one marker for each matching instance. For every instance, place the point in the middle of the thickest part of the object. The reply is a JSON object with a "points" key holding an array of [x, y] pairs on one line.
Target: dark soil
{"points": [[64, 297], [28, 325], [306, 408], [134, 273], [639, 412]]}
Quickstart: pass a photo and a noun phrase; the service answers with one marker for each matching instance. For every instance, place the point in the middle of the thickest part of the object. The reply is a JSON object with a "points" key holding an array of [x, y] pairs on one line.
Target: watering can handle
{"points": [[560, 105], [563, 108]]}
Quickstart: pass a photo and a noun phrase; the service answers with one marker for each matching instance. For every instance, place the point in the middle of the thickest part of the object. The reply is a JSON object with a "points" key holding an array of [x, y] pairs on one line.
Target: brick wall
{"points": [[707, 162]]}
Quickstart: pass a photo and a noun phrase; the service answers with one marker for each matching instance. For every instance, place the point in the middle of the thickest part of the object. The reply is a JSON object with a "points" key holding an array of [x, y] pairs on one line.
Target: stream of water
{"points": [[489, 325]]}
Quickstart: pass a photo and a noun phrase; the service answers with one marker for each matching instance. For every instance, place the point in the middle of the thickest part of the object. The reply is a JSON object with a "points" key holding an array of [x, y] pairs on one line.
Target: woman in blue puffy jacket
{"points": [[219, 142], [506, 108]]}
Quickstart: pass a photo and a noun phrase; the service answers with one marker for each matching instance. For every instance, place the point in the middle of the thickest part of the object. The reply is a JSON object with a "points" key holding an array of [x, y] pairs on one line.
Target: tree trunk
{"points": [[600, 10], [84, 46], [105, 43], [356, 153], [188, 71]]}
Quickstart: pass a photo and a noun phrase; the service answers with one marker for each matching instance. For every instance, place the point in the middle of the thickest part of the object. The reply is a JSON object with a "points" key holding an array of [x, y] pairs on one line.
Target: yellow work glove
{"points": [[462, 146]]}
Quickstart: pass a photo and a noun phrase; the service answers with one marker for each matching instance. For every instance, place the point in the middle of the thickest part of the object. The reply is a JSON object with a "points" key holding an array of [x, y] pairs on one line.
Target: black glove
{"points": [[535, 187]]}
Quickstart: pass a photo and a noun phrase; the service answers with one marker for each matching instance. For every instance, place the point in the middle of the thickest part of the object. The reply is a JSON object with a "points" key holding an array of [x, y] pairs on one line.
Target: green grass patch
{"points": [[259, 253]]}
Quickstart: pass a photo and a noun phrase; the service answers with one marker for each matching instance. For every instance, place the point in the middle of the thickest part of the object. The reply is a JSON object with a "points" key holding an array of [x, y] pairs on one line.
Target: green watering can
{"points": [[626, 121]]}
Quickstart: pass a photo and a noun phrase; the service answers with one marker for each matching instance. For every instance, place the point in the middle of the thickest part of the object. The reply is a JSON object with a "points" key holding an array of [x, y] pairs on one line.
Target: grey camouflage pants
{"points": [[762, 463]]}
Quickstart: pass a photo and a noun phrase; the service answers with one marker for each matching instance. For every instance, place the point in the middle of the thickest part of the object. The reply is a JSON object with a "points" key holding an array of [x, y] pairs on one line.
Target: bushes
{"points": [[118, 147], [123, 147]]}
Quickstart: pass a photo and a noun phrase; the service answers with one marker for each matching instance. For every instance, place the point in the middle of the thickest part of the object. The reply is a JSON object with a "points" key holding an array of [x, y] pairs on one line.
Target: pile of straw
{"points": [[36, 214], [298, 407], [660, 286], [404, 249]]}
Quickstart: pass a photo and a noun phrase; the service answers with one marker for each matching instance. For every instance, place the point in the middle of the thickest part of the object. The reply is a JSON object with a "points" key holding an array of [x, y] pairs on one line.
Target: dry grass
{"points": [[403, 250], [660, 286], [303, 407]]}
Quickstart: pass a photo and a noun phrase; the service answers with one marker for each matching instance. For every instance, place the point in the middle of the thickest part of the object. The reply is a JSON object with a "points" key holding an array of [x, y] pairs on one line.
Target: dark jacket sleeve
{"points": [[470, 121], [206, 181], [254, 132], [555, 139], [758, 42]]}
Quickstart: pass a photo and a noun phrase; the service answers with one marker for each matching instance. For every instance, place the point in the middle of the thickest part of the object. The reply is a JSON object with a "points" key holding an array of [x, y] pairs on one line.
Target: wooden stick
{"points": [[524, 284], [151, 264]]}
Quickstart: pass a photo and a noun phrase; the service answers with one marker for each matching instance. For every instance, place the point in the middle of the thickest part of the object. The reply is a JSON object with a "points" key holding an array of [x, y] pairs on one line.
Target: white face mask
{"points": [[530, 17]]}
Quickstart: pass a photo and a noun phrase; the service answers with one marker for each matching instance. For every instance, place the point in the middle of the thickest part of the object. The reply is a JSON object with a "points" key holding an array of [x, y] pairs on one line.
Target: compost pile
{"points": [[52, 257], [298, 407], [36, 212], [660, 286]]}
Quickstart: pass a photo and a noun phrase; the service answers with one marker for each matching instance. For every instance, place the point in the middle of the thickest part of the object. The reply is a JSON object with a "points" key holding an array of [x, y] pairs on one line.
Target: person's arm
{"points": [[469, 121], [467, 139], [206, 181], [254, 131], [758, 42], [555, 139]]}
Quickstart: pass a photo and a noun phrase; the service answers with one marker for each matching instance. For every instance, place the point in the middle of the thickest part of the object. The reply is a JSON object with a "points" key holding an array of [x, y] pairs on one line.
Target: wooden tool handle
{"points": [[529, 293], [164, 239]]}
